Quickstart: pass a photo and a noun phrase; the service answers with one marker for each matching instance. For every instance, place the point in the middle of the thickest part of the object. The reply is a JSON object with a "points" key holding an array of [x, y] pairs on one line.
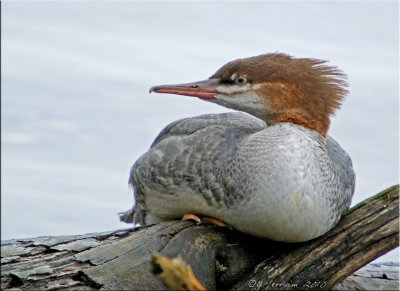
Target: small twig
{"points": [[175, 273]]}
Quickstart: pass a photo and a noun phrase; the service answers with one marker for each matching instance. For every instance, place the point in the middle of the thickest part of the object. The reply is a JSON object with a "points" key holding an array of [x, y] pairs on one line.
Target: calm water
{"points": [[76, 112]]}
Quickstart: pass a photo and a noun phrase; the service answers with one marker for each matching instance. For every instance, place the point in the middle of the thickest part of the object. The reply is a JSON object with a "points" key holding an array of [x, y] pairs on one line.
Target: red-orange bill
{"points": [[206, 89]]}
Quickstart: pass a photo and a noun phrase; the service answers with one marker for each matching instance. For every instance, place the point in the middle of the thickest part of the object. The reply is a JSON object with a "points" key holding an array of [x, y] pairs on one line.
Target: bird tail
{"points": [[127, 216], [135, 215]]}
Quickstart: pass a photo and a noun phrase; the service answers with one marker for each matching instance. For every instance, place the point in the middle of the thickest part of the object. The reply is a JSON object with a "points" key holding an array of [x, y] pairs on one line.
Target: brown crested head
{"points": [[298, 90], [274, 87]]}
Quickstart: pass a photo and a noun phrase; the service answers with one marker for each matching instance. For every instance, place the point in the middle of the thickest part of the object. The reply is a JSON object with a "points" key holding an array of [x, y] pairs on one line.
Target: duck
{"points": [[268, 169]]}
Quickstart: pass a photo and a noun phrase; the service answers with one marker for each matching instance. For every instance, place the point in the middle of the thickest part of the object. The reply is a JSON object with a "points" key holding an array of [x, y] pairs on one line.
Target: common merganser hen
{"points": [[271, 172]]}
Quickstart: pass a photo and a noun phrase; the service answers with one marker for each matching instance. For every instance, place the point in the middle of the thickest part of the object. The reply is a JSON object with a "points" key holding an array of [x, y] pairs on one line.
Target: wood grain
{"points": [[220, 258]]}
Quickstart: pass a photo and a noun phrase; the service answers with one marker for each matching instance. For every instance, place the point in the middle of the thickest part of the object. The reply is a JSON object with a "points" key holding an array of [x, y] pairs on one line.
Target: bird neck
{"points": [[317, 123]]}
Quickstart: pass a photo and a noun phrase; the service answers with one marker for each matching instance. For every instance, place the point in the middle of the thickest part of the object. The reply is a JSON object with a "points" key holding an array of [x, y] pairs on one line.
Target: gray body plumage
{"points": [[284, 182]]}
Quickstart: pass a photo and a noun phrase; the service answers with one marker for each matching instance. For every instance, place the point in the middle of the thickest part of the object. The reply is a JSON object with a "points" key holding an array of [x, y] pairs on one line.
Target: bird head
{"points": [[274, 87]]}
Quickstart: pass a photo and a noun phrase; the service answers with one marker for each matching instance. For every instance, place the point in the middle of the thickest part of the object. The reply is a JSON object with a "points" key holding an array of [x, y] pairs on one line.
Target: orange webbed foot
{"points": [[190, 216], [198, 220]]}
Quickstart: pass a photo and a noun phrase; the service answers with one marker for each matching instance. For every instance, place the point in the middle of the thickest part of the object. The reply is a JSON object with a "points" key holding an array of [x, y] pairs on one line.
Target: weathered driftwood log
{"points": [[220, 258]]}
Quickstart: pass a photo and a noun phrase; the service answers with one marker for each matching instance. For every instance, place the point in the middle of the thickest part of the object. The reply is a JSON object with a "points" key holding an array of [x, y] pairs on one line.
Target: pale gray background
{"points": [[76, 112]]}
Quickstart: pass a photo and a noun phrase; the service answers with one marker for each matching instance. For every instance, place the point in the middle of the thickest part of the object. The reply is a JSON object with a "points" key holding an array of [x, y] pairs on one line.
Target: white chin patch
{"points": [[240, 98]]}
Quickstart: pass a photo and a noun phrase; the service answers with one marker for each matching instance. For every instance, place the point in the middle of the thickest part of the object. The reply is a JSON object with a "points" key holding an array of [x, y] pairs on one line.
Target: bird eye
{"points": [[240, 80]]}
